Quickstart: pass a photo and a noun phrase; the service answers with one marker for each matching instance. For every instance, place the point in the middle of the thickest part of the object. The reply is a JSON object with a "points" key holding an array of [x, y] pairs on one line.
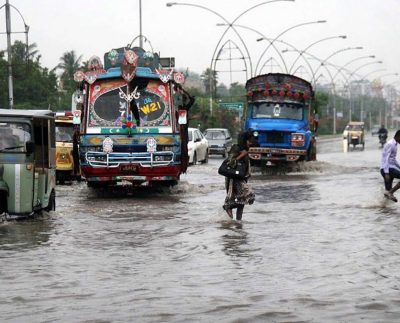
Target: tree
{"points": [[210, 78], [33, 85], [69, 64]]}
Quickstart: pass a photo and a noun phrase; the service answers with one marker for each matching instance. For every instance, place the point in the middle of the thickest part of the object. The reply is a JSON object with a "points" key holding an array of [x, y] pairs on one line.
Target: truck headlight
{"points": [[298, 139]]}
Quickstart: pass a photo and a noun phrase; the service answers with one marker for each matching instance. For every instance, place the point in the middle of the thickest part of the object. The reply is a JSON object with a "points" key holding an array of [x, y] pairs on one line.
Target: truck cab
{"points": [[280, 114]]}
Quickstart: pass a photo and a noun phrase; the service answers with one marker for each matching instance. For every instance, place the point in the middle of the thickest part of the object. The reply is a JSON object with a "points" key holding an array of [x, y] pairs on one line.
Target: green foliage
{"points": [[33, 85]]}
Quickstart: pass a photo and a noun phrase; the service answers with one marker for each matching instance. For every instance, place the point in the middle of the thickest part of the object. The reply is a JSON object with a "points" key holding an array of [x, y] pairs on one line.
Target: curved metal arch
{"points": [[231, 25], [295, 49], [298, 67], [268, 60], [282, 33], [145, 39], [268, 39], [223, 47]]}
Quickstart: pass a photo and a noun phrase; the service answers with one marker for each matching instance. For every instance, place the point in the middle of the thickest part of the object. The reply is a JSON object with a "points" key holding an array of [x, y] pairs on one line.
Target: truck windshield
{"points": [[274, 110], [13, 136], [109, 102]]}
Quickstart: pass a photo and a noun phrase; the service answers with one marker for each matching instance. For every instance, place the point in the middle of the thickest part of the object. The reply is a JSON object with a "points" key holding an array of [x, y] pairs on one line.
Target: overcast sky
{"points": [[190, 34]]}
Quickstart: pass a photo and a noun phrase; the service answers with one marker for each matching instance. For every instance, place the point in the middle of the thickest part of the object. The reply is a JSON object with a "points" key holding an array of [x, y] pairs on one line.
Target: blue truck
{"points": [[279, 112]]}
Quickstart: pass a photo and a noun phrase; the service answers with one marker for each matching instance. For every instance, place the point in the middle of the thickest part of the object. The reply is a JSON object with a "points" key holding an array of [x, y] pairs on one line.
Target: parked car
{"points": [[219, 141], [375, 129], [197, 146]]}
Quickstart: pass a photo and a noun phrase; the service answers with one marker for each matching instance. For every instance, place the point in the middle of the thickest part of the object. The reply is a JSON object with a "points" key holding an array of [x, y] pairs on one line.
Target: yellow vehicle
{"points": [[354, 134], [67, 158]]}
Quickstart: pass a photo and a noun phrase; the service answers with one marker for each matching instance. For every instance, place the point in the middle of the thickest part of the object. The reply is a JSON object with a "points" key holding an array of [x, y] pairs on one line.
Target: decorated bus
{"points": [[134, 119]]}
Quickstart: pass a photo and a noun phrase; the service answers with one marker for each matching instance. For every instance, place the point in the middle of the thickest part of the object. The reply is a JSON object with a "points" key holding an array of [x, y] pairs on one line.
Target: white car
{"points": [[197, 146]]}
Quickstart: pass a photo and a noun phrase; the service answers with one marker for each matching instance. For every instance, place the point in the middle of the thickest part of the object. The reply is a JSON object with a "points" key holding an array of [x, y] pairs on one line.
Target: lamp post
{"points": [[352, 61], [333, 82], [7, 6], [349, 84], [364, 78], [281, 34], [230, 25], [333, 54], [385, 112], [313, 44], [260, 34]]}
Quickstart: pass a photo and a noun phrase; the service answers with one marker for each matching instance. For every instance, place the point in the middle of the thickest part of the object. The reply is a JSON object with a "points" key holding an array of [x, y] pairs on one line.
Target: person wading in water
{"points": [[239, 193]]}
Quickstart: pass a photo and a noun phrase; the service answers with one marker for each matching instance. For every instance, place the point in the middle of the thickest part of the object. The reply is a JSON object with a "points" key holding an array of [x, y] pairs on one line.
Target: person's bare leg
{"points": [[395, 188]]}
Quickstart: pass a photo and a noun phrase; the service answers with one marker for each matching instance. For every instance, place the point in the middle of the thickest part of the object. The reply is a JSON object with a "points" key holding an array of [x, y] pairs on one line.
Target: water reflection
{"points": [[17, 235], [287, 192], [234, 239]]}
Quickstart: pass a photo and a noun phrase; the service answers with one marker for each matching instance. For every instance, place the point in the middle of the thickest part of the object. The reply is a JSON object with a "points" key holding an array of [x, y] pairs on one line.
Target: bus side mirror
{"points": [[30, 147]]}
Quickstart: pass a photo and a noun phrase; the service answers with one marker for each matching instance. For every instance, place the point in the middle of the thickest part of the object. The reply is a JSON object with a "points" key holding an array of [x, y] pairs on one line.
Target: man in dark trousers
{"points": [[390, 168]]}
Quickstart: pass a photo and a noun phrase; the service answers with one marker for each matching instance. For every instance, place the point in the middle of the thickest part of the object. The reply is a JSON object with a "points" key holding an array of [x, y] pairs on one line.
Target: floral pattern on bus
{"points": [[106, 106]]}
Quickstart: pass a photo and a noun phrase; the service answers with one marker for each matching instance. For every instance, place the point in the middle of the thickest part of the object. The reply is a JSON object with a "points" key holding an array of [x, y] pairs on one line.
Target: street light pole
{"points": [[10, 79], [380, 76], [281, 34], [349, 84], [352, 61], [140, 25], [260, 34], [8, 32], [333, 54], [230, 25], [362, 91], [312, 44]]}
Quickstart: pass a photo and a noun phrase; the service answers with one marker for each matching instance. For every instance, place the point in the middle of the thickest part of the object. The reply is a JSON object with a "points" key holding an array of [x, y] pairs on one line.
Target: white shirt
{"points": [[389, 156]]}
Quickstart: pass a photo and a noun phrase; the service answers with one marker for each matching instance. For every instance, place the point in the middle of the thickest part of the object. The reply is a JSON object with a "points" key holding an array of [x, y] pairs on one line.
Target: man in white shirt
{"points": [[390, 168]]}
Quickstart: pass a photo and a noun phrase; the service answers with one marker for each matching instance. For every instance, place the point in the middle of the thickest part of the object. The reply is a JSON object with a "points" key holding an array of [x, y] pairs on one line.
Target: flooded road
{"points": [[318, 245]]}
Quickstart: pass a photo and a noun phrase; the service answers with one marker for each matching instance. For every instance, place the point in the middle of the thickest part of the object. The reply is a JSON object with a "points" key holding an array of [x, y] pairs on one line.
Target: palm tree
{"points": [[69, 64], [210, 81]]}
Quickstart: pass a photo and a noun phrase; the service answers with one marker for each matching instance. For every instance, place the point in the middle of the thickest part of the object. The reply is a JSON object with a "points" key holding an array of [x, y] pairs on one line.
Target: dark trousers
{"points": [[393, 173], [239, 210]]}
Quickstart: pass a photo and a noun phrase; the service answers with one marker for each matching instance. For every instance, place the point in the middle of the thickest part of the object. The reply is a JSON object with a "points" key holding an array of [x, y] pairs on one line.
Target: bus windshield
{"points": [[273, 110], [109, 102]]}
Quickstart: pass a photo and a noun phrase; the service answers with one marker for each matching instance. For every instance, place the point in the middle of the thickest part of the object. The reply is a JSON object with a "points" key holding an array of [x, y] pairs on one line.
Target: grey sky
{"points": [[92, 27]]}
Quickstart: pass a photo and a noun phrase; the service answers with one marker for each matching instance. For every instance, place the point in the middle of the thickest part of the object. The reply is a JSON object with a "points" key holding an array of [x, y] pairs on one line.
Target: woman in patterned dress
{"points": [[239, 193]]}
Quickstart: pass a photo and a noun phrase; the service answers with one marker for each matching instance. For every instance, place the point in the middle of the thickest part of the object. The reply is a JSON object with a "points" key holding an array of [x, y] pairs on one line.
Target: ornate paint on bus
{"points": [[131, 125]]}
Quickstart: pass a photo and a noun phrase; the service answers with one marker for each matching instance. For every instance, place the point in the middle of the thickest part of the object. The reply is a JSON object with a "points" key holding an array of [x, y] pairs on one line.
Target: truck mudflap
{"points": [[275, 154]]}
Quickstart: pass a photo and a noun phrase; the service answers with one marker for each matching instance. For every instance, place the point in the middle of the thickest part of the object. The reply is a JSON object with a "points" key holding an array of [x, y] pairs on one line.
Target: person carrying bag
{"points": [[236, 169]]}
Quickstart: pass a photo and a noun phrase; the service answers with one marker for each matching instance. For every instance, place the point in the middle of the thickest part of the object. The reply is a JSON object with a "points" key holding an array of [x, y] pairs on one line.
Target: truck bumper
{"points": [[275, 154]]}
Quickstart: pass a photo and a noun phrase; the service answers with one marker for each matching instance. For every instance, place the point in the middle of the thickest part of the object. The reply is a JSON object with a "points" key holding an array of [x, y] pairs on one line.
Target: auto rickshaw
{"points": [[354, 134], [67, 156], [27, 163]]}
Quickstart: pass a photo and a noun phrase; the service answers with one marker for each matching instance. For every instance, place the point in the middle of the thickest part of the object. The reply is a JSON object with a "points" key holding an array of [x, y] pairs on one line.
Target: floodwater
{"points": [[319, 245]]}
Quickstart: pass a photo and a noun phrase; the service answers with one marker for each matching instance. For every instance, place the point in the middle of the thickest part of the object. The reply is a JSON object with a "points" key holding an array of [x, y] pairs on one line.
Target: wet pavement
{"points": [[320, 244]]}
